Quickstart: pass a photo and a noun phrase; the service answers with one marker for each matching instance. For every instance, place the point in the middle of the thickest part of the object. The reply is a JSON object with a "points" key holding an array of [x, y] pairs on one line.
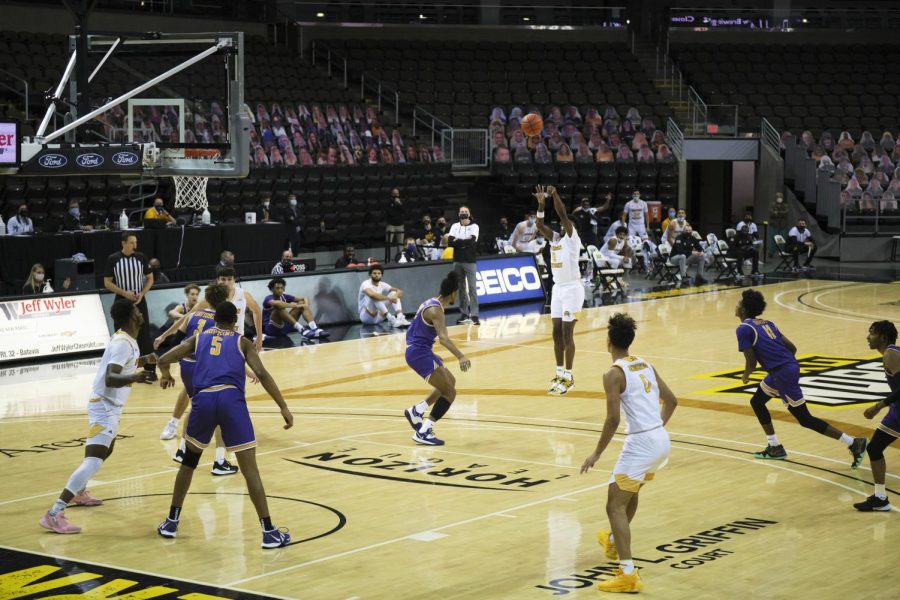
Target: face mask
{"points": [[441, 223], [158, 207], [38, 276], [292, 202], [779, 200], [680, 219], [75, 212], [410, 247], [671, 215], [463, 217], [23, 214], [748, 220], [801, 229], [532, 220], [265, 204], [635, 198]]}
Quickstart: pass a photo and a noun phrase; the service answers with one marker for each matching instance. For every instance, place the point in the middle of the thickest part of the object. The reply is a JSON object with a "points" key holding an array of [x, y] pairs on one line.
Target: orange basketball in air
{"points": [[532, 124]]}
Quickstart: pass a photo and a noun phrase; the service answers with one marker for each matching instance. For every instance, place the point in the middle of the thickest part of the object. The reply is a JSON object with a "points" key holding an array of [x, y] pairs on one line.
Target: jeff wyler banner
{"points": [[85, 160], [39, 327]]}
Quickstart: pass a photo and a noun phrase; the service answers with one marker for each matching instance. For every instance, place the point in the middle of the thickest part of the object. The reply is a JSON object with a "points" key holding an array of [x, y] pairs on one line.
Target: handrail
{"points": [[17, 78], [430, 121], [769, 136], [675, 138], [366, 81], [697, 109]]}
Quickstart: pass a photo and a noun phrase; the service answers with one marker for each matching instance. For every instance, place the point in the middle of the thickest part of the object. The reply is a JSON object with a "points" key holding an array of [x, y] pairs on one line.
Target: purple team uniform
{"points": [[420, 339], [197, 322], [890, 424], [783, 377], [269, 328], [219, 392]]}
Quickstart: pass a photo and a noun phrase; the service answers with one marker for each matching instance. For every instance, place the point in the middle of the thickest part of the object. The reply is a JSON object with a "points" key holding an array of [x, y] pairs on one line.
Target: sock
{"points": [[298, 327], [220, 453], [773, 440], [60, 506], [627, 566], [612, 538], [426, 426], [182, 445], [174, 512], [567, 374], [560, 371], [266, 523], [312, 325], [173, 421], [421, 407], [846, 439], [879, 493]]}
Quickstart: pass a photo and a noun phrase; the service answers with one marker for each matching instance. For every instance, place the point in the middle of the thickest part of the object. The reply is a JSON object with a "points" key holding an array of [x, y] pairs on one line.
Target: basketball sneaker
{"points": [[475, 321], [169, 431], [630, 583], [84, 498], [464, 319], [609, 547], [428, 438], [400, 321], [314, 334], [554, 383], [276, 538], [414, 417], [223, 467], [168, 528], [772, 452], [858, 450], [58, 524], [564, 386], [873, 503]]}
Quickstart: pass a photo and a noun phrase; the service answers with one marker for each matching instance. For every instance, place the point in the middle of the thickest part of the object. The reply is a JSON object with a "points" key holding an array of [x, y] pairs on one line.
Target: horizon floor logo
{"points": [[825, 380]]}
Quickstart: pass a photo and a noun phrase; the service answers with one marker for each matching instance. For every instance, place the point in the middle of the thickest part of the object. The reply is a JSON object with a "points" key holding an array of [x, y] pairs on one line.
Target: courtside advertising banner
{"points": [[9, 144], [510, 278], [39, 327]]}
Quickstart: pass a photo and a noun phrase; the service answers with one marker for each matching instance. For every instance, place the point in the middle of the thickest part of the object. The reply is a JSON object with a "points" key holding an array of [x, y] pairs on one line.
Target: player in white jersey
{"points": [[634, 387], [638, 215], [617, 251], [379, 301], [120, 366], [524, 236], [567, 296]]}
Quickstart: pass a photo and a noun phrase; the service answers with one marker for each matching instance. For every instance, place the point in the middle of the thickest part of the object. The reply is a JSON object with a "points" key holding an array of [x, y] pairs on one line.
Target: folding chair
{"points": [[785, 258], [606, 278], [730, 268], [669, 273]]}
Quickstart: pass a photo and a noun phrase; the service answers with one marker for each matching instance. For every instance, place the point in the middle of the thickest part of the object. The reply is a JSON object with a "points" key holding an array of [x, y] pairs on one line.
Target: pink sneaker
{"points": [[58, 523], [84, 498]]}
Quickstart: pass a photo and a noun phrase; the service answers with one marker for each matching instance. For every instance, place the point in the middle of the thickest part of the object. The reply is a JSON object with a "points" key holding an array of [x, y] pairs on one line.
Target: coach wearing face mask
{"points": [[463, 238], [20, 224]]}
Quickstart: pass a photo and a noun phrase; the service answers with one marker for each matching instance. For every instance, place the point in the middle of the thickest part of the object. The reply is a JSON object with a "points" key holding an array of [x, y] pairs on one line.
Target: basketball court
{"points": [[500, 511]]}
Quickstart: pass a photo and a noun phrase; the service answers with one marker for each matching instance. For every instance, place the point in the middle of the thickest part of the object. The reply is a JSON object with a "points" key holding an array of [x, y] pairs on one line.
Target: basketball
{"points": [[532, 124]]}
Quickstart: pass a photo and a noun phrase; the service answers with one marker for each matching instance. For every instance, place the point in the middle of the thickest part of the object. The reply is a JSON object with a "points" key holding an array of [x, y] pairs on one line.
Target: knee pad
{"points": [[874, 452], [191, 459], [758, 404], [440, 408], [803, 416]]}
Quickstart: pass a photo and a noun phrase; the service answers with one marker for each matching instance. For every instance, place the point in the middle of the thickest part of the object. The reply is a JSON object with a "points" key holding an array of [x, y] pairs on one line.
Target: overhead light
{"points": [[628, 21], [422, 17], [320, 14], [805, 20]]}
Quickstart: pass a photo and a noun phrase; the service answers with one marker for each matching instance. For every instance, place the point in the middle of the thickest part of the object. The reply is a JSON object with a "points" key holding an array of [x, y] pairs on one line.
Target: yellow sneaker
{"points": [[565, 385], [554, 385], [609, 547], [622, 583]]}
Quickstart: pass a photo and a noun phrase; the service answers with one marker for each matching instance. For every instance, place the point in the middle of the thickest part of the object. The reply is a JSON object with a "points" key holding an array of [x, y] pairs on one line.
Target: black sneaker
{"points": [[224, 467], [475, 321], [772, 453], [873, 503], [858, 450], [464, 320]]}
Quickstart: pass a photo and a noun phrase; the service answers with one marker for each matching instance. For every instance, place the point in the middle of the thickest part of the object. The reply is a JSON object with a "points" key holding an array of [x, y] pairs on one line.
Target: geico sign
{"points": [[507, 280]]}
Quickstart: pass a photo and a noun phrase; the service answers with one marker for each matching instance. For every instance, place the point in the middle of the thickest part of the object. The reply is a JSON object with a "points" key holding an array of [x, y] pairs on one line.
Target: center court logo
{"points": [[825, 380]]}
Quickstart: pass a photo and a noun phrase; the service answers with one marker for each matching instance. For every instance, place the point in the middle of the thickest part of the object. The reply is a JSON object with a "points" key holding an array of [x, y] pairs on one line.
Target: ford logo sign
{"points": [[89, 160], [53, 161], [125, 159]]}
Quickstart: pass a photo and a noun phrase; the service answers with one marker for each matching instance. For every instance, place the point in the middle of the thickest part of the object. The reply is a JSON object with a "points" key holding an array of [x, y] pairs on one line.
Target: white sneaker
{"points": [[400, 321], [169, 431], [392, 320]]}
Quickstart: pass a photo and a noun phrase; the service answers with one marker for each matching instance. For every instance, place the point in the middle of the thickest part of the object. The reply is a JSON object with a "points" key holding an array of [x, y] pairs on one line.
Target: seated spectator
{"points": [[20, 224], [409, 252], [886, 164], [669, 213], [437, 153], [645, 155], [604, 154], [517, 139], [573, 115], [191, 293], [634, 116], [497, 114], [498, 138], [500, 154], [844, 166], [687, 252], [348, 259], [379, 301], [595, 141], [887, 142], [524, 236], [845, 141], [555, 115], [807, 140], [592, 117], [639, 140], [74, 220], [282, 311], [158, 213], [867, 141], [676, 227], [827, 141], [867, 201], [542, 154], [523, 156], [624, 154], [854, 187], [616, 250], [874, 187], [846, 201], [263, 215], [857, 154], [894, 186], [800, 240], [555, 140], [865, 163], [664, 154], [503, 232], [584, 154], [412, 155], [610, 114], [156, 268], [627, 131], [817, 152], [37, 282], [742, 247], [888, 202], [622, 222], [657, 139], [826, 166]]}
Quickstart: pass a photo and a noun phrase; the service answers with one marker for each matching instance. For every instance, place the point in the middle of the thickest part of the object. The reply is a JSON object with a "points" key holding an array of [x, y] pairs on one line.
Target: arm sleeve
{"points": [[746, 337], [119, 353]]}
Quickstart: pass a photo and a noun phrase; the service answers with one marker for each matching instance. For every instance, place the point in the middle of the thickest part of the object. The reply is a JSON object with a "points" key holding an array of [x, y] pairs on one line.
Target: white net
{"points": [[190, 192]]}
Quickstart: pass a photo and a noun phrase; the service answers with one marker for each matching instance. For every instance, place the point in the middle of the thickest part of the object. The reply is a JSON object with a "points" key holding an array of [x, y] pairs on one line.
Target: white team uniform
{"points": [[613, 257], [371, 311], [105, 405], [240, 303], [636, 224], [568, 291], [646, 449], [527, 239]]}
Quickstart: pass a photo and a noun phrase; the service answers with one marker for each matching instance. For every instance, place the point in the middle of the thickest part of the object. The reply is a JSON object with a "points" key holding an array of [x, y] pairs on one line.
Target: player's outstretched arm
{"points": [[560, 209], [185, 348], [268, 383], [180, 324], [613, 385], [437, 319], [115, 379], [668, 398], [540, 194]]}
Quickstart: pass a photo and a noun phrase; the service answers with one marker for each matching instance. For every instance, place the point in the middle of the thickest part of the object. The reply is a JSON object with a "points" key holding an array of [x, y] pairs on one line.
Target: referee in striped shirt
{"points": [[127, 274]]}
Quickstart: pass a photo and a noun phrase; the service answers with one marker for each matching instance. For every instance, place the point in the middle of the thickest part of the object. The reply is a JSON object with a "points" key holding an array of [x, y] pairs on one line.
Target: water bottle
{"points": [[206, 216], [123, 220]]}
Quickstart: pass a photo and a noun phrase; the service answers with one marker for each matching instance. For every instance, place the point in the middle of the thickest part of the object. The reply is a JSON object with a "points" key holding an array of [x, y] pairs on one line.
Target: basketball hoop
{"points": [[190, 190]]}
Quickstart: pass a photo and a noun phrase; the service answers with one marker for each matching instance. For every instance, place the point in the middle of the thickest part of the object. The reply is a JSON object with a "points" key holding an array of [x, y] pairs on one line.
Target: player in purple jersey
{"points": [[282, 311], [883, 337], [428, 325], [219, 401], [762, 342]]}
